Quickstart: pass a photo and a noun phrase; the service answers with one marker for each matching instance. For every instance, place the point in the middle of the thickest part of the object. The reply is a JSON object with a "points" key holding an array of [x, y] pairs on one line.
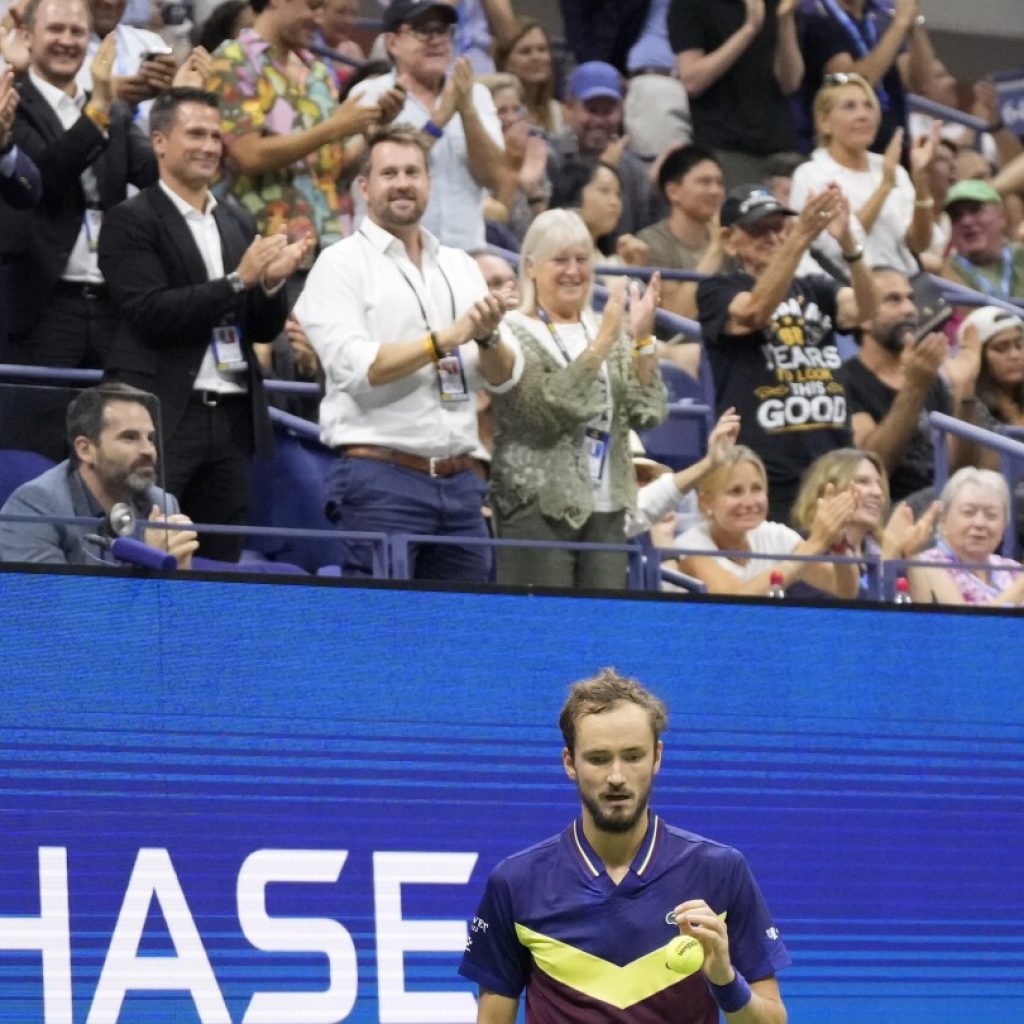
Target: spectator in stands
{"points": [[734, 500], [284, 133], [143, 65], [500, 278], [406, 331], [20, 189], [983, 258], [88, 152], [893, 209], [738, 63], [657, 110], [595, 190], [1000, 386], [603, 30], [779, 171], [860, 36], [338, 20], [941, 178], [691, 181], [226, 21], [975, 511], [525, 192], [527, 55], [863, 474], [113, 459], [660, 490], [895, 381], [455, 116], [194, 289], [561, 469], [594, 115], [769, 333]]}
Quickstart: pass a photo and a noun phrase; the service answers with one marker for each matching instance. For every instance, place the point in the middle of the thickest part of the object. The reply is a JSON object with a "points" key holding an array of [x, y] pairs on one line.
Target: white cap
{"points": [[989, 321]]}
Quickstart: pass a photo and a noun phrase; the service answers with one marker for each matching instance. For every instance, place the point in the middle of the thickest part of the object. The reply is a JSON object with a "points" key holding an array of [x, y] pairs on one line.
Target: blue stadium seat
{"points": [[288, 490], [683, 438], [18, 467]]}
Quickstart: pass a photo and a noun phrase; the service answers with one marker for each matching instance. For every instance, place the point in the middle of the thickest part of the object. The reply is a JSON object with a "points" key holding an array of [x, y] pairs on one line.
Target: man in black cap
{"points": [[454, 114], [770, 333]]}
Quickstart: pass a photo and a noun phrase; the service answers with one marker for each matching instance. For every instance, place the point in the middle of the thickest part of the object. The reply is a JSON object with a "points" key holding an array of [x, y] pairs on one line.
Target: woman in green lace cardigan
{"points": [[561, 469]]}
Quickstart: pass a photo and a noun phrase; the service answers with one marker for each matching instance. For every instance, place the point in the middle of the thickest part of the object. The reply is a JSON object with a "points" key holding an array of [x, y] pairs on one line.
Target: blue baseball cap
{"points": [[593, 79]]}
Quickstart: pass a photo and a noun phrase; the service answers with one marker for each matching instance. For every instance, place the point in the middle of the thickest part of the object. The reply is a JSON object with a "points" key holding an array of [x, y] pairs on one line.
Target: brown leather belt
{"points": [[447, 465]]}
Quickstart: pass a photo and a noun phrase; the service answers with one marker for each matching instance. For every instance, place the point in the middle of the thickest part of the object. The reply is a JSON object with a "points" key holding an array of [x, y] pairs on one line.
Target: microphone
{"points": [[120, 521]]}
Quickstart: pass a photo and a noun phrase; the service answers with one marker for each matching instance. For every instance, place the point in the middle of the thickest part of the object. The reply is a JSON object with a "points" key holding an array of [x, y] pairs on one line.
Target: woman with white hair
{"points": [[975, 510], [561, 469]]}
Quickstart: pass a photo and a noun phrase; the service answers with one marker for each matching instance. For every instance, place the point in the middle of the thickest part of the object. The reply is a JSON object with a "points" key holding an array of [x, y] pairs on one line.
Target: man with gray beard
{"points": [[894, 383]]}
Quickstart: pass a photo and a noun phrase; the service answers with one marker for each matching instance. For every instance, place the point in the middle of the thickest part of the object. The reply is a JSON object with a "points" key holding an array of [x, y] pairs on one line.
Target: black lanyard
{"points": [[412, 287], [556, 337]]}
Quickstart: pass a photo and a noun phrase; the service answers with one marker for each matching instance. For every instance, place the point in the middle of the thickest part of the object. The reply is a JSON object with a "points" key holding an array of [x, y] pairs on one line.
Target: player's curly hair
{"points": [[601, 693]]}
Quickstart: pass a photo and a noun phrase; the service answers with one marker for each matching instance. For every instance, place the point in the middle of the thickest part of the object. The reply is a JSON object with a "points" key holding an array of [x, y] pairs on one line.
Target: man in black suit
{"points": [[87, 151], [194, 287], [20, 189]]}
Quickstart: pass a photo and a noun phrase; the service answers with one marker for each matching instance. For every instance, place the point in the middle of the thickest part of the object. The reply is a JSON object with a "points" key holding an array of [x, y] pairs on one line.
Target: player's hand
{"points": [[696, 919]]}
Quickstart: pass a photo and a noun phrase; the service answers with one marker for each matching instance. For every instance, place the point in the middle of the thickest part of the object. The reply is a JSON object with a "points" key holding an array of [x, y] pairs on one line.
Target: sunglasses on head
{"points": [[838, 78]]}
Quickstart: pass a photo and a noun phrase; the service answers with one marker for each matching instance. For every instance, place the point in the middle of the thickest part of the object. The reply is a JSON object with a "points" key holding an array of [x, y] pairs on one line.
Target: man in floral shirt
{"points": [[285, 135]]}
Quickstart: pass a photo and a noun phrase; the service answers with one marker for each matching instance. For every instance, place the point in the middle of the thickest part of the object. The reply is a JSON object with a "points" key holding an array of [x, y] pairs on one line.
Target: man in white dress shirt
{"points": [[406, 332]]}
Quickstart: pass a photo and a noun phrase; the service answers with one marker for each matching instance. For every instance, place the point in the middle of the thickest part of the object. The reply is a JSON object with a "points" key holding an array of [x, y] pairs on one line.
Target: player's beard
{"points": [[616, 823]]}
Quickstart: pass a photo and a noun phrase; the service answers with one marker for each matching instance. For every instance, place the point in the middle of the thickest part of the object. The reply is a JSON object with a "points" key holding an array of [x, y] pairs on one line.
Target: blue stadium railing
{"points": [[391, 555]]}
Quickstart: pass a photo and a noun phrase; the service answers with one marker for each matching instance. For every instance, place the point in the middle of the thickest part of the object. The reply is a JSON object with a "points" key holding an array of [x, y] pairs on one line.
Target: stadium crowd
{"points": [[266, 201]]}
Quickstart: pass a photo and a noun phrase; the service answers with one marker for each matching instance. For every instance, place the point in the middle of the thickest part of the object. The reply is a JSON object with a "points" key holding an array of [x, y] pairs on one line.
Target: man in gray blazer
{"points": [[113, 443]]}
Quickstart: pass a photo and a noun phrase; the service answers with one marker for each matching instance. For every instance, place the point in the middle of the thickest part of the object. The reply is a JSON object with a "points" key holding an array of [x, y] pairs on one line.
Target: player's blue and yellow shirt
{"points": [[552, 922]]}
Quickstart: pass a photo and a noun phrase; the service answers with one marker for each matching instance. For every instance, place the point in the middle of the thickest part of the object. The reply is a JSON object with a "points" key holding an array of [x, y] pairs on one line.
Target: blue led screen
{"points": [[227, 803]]}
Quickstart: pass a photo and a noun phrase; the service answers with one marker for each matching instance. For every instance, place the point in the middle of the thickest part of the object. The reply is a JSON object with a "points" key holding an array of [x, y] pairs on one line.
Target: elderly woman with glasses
{"points": [[561, 470], [893, 209], [975, 510]]}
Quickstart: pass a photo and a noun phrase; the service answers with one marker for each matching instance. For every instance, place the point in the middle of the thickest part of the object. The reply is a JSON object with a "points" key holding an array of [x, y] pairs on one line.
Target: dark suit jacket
{"points": [[167, 307], [121, 156], [20, 190]]}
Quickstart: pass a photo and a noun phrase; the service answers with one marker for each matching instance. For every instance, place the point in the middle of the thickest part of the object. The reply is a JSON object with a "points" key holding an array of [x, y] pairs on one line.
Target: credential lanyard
{"points": [[451, 374], [864, 38], [982, 283]]}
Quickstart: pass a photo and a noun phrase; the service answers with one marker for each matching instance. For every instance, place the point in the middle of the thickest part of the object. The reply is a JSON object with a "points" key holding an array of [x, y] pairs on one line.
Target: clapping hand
{"points": [[195, 69], [832, 514], [286, 261], [180, 543], [723, 436], [903, 538], [8, 105], [642, 308]]}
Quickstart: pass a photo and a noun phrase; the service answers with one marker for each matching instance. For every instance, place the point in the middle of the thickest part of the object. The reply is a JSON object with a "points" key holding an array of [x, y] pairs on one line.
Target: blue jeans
{"points": [[363, 494]]}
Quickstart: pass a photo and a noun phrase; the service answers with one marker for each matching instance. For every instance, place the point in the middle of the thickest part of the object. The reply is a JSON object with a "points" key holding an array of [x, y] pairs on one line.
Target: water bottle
{"points": [[777, 586], [902, 591]]}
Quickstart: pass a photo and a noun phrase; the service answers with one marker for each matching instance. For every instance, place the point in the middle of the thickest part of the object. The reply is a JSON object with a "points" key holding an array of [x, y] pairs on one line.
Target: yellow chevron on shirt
{"points": [[620, 987]]}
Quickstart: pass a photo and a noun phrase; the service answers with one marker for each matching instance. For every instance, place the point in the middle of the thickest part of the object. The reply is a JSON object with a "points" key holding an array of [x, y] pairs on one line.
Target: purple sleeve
{"points": [[494, 957], [755, 945]]}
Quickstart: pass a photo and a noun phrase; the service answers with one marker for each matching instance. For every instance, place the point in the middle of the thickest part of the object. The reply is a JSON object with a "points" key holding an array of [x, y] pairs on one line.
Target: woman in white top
{"points": [[734, 501], [893, 209]]}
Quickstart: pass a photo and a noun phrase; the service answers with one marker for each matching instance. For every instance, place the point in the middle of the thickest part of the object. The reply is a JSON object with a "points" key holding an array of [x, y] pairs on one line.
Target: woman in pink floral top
{"points": [[975, 510]]}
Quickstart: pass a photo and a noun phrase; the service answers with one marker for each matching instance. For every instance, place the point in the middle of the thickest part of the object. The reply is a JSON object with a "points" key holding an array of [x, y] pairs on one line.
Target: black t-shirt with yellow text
{"points": [[782, 380]]}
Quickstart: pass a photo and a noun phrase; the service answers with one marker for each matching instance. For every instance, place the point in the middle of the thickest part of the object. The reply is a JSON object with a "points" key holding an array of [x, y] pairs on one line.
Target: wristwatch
{"points": [[490, 341], [236, 282]]}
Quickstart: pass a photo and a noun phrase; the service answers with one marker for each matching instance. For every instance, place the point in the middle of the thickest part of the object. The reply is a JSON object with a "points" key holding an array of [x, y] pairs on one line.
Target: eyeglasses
{"points": [[427, 33]]}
